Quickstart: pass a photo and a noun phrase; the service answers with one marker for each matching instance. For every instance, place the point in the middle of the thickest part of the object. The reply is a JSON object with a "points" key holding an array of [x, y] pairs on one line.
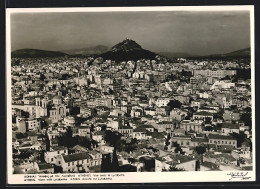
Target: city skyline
{"points": [[198, 33]]}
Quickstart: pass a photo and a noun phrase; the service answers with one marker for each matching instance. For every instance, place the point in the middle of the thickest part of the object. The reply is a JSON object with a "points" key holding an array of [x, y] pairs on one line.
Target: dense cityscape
{"points": [[73, 114]]}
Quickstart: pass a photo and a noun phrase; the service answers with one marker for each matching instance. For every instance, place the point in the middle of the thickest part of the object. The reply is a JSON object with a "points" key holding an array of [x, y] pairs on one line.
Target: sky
{"points": [[193, 32]]}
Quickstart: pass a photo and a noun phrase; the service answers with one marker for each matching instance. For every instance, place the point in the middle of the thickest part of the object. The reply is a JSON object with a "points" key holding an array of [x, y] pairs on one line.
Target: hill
{"points": [[234, 54], [241, 52], [36, 53], [176, 55], [127, 50]]}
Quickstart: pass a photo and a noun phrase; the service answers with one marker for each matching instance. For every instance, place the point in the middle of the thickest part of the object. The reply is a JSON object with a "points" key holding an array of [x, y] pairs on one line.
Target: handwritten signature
{"points": [[238, 175]]}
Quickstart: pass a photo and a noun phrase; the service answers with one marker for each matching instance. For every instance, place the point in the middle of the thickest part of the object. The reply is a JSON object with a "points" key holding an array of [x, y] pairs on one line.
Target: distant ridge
{"points": [[238, 53], [127, 50], [99, 49], [36, 53], [176, 55]]}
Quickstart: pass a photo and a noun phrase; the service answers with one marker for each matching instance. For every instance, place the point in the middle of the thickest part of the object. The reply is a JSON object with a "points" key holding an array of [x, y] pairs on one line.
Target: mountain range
{"points": [[239, 53], [36, 53], [99, 49], [126, 50]]}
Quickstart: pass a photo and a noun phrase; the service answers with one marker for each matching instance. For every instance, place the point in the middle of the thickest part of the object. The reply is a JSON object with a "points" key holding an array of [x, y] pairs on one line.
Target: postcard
{"points": [[130, 94]]}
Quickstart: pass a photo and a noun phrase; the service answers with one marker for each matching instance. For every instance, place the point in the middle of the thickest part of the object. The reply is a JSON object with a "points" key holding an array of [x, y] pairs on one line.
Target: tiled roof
{"points": [[210, 165], [203, 113], [199, 140], [224, 137], [76, 157], [43, 166], [230, 125]]}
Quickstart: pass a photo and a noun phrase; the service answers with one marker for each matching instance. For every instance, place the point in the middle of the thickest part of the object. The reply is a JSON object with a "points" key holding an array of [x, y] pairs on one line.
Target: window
{"points": [[58, 152], [51, 159], [68, 164]]}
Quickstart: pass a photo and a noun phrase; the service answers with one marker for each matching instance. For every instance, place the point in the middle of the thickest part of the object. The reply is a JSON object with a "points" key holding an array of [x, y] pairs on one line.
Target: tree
{"points": [[114, 164], [167, 142], [219, 114], [42, 156], [110, 91], [48, 145], [174, 104], [127, 168], [240, 137], [207, 120], [58, 169], [21, 135], [200, 150], [178, 150], [208, 128], [149, 163], [82, 141], [25, 154], [42, 77], [66, 139], [106, 163], [227, 77], [103, 127], [113, 138], [247, 119]]}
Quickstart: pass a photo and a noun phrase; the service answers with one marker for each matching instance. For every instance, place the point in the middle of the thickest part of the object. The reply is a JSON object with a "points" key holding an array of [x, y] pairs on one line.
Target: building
{"points": [[28, 124], [51, 156], [192, 125], [214, 73], [228, 128], [78, 162], [181, 140], [203, 115], [222, 140]]}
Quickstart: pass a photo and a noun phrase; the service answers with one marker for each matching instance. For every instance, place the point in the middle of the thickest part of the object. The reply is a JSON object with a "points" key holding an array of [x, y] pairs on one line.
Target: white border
{"points": [[144, 177]]}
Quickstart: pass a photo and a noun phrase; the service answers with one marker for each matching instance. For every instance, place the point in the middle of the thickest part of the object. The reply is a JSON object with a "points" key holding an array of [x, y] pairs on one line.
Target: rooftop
{"points": [[224, 137], [76, 157]]}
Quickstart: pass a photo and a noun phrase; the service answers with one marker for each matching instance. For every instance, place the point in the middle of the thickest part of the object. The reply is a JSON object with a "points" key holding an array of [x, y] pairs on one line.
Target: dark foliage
{"points": [[106, 163], [240, 137], [174, 104], [127, 168], [200, 150], [247, 119]]}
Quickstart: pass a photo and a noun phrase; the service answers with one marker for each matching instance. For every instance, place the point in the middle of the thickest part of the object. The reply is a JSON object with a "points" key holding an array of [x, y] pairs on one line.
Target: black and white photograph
{"points": [[130, 94]]}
